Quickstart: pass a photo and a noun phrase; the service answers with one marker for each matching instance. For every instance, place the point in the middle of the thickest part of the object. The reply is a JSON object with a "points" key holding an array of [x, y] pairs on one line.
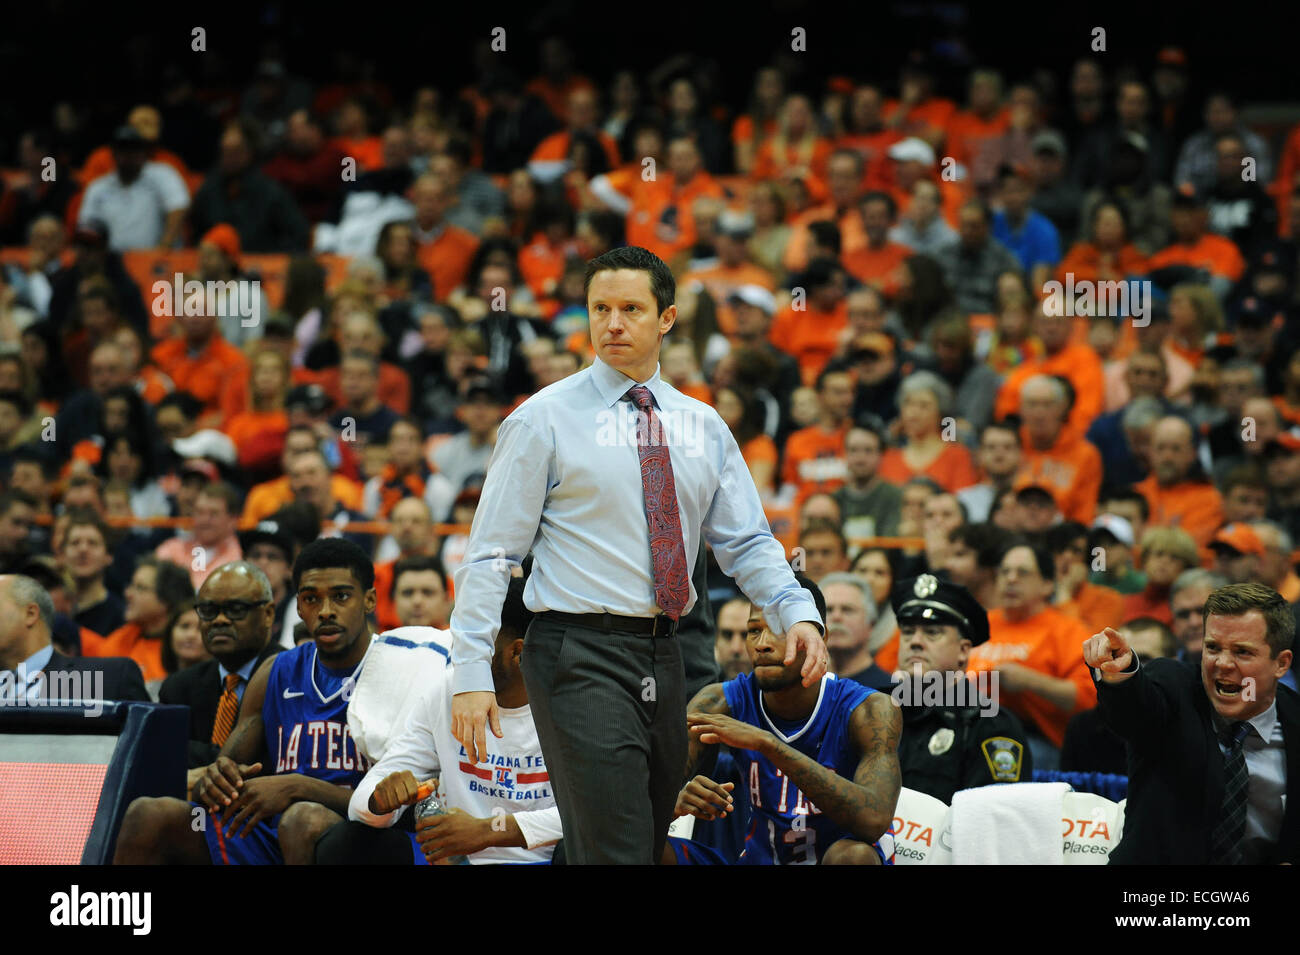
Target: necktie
{"points": [[227, 707], [1225, 841], [667, 552]]}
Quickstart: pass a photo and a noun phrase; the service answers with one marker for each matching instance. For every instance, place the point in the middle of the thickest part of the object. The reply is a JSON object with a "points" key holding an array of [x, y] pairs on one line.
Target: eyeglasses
{"points": [[235, 610]]}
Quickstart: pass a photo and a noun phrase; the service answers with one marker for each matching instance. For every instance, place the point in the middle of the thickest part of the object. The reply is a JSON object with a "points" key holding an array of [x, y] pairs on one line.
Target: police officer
{"points": [[951, 738]]}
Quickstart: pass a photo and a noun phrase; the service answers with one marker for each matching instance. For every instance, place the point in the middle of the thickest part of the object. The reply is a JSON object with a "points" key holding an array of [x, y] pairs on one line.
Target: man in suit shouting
{"points": [[1210, 756]]}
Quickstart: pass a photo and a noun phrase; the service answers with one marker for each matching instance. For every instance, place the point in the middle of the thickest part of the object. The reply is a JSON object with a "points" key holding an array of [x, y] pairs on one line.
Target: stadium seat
{"points": [[1110, 785]]}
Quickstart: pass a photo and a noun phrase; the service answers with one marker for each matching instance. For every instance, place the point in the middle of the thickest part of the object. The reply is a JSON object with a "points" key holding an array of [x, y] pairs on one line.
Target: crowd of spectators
{"points": [[863, 271]]}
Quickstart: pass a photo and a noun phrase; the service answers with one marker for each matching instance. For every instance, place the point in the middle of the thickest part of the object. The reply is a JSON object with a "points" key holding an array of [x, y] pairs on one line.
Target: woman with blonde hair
{"points": [[1166, 553], [1194, 316]]}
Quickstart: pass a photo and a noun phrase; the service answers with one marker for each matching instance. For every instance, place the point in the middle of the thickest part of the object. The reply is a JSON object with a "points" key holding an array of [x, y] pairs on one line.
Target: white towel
{"points": [[1010, 824], [399, 665]]}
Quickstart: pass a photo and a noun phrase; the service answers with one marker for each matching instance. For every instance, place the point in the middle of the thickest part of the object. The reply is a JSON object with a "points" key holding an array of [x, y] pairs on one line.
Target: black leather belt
{"points": [[658, 626]]}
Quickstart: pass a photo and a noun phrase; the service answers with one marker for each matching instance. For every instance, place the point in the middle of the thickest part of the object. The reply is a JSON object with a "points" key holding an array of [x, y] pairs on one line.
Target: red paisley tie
{"points": [[667, 552]]}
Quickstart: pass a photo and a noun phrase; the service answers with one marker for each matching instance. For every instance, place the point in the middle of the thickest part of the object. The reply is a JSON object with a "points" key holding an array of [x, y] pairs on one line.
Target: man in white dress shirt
{"points": [[143, 202], [610, 478]]}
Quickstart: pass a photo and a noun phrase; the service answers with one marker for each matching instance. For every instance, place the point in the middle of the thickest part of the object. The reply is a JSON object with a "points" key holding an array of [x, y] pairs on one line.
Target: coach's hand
{"points": [[454, 833], [470, 714], [1110, 653], [704, 799], [260, 799], [806, 635], [396, 790], [220, 782]]}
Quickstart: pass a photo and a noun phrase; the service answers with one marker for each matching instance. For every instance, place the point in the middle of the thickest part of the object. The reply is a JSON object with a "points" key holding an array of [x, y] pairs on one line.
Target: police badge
{"points": [[941, 741], [1004, 757], [925, 585]]}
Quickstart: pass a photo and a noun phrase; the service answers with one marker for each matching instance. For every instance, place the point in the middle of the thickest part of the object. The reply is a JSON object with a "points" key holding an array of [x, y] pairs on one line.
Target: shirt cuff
{"points": [[359, 806], [539, 826], [472, 678]]}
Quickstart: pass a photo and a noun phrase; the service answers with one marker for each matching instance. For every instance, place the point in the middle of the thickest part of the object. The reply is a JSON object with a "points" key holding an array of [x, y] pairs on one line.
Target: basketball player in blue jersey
{"points": [[286, 772], [821, 761]]}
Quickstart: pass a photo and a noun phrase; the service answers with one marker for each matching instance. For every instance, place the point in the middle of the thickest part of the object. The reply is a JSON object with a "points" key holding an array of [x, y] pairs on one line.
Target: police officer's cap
{"points": [[931, 599]]}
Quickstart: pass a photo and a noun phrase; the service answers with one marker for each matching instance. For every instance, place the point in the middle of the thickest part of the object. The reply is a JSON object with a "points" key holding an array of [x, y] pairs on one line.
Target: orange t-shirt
{"points": [[1070, 470], [934, 114], [1218, 255], [877, 267], [447, 259], [129, 641], [1151, 601], [1050, 642], [100, 163], [394, 389], [953, 469], [651, 202], [853, 235], [967, 130], [555, 148], [1079, 365], [1195, 507], [1095, 607], [367, 151], [244, 427], [720, 281], [1084, 261], [887, 655], [385, 608], [217, 375], [814, 459], [268, 497], [810, 337], [153, 385], [760, 449], [776, 157]]}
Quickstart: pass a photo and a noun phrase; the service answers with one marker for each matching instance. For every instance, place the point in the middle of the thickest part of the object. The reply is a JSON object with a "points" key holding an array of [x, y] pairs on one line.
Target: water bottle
{"points": [[431, 805]]}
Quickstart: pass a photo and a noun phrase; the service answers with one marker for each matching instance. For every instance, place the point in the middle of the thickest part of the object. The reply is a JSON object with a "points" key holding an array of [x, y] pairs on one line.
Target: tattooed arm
{"points": [[701, 757], [863, 805]]}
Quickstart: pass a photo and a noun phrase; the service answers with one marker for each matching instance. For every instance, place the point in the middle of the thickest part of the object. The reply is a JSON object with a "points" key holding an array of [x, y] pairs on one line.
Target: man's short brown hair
{"points": [[1235, 600], [225, 492]]}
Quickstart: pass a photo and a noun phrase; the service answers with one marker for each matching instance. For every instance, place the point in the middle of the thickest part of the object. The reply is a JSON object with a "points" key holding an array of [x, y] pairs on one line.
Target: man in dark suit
{"points": [[31, 669], [1209, 757], [236, 611]]}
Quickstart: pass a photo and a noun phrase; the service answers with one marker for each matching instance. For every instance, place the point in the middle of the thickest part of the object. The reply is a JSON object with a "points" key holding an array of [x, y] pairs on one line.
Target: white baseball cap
{"points": [[912, 149], [755, 295], [1119, 527]]}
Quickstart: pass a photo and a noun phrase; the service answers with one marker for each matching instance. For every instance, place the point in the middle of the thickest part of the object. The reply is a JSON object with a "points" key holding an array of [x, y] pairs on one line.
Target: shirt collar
{"points": [[1262, 722], [613, 384], [38, 661], [245, 672]]}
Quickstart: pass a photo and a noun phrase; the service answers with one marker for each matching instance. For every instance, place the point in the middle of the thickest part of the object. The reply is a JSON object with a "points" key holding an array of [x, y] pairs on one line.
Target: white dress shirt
{"points": [[1265, 752], [564, 483]]}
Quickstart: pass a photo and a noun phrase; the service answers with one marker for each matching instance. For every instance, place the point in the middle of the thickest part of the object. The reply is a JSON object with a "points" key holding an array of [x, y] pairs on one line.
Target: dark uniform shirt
{"points": [[944, 749]]}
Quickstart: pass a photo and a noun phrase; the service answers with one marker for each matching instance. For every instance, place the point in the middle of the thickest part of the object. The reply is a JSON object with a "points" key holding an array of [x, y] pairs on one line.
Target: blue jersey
{"points": [[305, 716], [785, 827]]}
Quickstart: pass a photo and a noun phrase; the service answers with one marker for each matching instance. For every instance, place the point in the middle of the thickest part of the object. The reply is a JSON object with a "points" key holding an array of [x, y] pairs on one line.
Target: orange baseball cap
{"points": [[1239, 537], [225, 238]]}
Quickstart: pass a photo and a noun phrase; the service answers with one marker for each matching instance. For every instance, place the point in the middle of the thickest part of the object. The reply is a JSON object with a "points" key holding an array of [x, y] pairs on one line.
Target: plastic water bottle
{"points": [[431, 805]]}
